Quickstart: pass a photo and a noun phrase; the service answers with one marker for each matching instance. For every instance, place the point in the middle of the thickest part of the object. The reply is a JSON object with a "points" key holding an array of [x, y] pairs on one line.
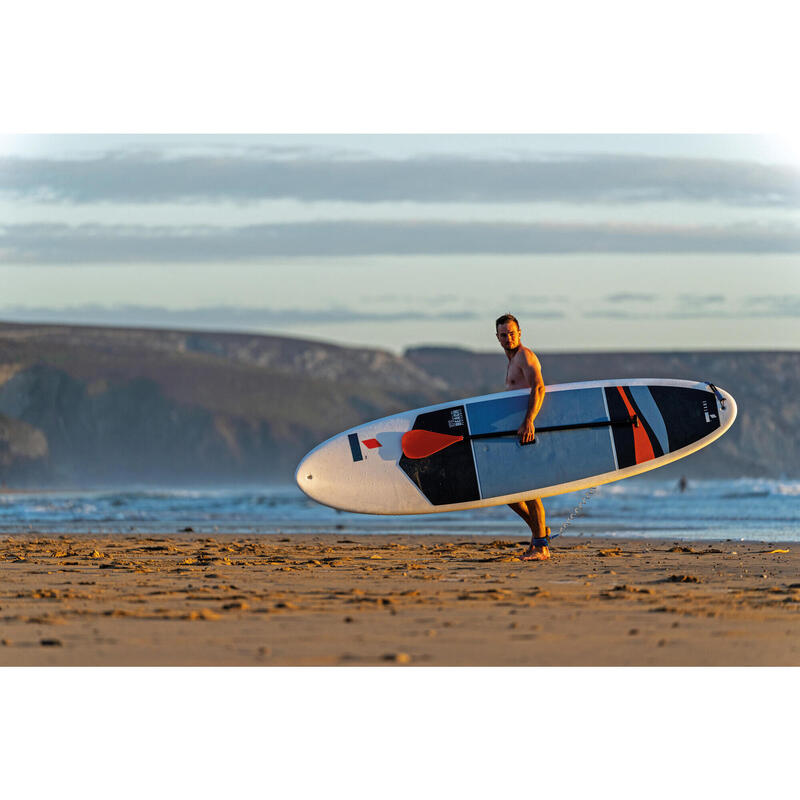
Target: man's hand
{"points": [[526, 432]]}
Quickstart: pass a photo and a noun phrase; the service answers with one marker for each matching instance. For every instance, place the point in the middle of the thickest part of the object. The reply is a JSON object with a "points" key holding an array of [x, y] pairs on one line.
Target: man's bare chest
{"points": [[515, 377]]}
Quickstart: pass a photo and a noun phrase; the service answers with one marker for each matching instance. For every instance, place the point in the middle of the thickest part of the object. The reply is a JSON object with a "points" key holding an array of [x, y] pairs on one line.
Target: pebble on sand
{"points": [[203, 613], [398, 658]]}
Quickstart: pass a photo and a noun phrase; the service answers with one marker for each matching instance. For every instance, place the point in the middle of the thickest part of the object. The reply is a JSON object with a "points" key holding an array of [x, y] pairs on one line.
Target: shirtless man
{"points": [[524, 371]]}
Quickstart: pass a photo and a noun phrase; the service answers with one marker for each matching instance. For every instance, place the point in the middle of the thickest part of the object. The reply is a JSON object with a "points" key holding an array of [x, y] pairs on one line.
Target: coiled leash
{"points": [[568, 521]]}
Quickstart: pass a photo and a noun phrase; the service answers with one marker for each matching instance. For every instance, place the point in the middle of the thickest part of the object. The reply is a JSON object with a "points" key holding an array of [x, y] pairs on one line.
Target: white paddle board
{"points": [[466, 454]]}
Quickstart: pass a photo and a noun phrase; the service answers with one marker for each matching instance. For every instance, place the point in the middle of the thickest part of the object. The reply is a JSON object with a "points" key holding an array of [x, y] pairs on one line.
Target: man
{"points": [[524, 371]]}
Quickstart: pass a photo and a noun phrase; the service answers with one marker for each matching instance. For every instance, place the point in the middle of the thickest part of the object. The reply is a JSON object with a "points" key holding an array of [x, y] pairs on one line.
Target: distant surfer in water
{"points": [[525, 372]]}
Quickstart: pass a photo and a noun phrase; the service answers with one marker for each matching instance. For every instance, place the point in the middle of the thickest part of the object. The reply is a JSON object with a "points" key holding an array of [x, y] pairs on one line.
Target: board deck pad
{"points": [[368, 471]]}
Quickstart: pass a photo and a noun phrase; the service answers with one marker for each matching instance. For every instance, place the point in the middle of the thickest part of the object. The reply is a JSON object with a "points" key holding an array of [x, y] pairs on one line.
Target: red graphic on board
{"points": [[642, 447], [371, 443]]}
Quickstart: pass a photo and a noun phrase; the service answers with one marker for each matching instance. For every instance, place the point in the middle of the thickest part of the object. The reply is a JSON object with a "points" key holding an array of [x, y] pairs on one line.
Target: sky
{"points": [[595, 242]]}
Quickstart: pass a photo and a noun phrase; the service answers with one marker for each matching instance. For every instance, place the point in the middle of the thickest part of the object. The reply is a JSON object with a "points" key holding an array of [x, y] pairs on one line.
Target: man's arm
{"points": [[532, 371]]}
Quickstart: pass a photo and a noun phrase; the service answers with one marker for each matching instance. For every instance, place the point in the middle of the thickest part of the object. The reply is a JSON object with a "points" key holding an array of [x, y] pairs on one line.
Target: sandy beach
{"points": [[190, 600]]}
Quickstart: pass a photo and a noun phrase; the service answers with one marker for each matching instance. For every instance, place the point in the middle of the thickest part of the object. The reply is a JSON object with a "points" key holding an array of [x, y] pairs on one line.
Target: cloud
{"points": [[630, 297], [787, 305], [228, 317], [114, 244], [235, 317], [708, 307], [144, 177], [701, 300]]}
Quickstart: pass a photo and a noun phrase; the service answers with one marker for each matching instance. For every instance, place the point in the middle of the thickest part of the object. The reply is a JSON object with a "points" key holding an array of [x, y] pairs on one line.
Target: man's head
{"points": [[508, 332]]}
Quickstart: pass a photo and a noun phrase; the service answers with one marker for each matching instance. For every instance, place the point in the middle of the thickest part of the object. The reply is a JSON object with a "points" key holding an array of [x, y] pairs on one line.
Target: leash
{"points": [[568, 521]]}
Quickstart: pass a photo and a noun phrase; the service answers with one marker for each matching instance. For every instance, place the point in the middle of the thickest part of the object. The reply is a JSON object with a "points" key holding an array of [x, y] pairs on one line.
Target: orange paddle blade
{"points": [[421, 444]]}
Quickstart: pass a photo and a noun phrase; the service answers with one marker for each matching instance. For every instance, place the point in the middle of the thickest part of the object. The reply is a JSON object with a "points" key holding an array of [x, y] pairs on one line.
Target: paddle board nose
{"points": [[310, 477], [358, 470]]}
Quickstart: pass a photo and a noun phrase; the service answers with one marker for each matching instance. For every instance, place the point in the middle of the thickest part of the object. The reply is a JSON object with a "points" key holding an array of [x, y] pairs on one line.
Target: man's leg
{"points": [[532, 512]]}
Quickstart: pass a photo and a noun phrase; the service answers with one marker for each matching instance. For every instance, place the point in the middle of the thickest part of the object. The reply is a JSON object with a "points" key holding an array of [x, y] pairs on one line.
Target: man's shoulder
{"points": [[525, 354]]}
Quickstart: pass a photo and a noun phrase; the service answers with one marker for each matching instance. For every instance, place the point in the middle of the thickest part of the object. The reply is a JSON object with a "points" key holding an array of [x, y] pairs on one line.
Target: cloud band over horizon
{"points": [[93, 244], [147, 177], [668, 308]]}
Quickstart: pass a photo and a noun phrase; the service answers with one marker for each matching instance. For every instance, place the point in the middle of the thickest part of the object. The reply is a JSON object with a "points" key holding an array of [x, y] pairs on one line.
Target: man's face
{"points": [[508, 335]]}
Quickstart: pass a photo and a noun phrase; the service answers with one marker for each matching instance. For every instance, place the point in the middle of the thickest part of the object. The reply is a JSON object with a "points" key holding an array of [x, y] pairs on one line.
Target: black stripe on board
{"points": [[689, 414], [448, 476], [623, 434], [355, 447]]}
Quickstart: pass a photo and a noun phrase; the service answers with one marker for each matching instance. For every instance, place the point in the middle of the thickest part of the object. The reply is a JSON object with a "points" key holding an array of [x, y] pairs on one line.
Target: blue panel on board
{"points": [[558, 408], [506, 467]]}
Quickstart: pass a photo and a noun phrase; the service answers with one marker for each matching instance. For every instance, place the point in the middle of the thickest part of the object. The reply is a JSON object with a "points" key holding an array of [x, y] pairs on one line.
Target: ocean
{"points": [[744, 509]]}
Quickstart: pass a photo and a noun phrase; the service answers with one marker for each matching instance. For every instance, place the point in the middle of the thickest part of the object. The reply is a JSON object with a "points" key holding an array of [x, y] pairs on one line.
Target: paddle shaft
{"points": [[634, 420]]}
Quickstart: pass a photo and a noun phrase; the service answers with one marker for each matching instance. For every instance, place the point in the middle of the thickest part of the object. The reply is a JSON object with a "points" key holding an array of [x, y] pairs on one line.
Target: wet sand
{"points": [[191, 600]]}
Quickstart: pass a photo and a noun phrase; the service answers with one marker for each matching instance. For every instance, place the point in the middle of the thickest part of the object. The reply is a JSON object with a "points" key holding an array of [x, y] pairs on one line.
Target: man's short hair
{"points": [[504, 320]]}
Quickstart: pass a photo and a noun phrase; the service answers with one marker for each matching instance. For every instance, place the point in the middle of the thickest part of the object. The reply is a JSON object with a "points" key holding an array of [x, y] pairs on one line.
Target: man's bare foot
{"points": [[535, 554]]}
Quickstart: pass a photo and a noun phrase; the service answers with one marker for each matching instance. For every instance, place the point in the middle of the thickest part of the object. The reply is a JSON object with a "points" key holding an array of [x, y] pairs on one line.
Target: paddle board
{"points": [[465, 454]]}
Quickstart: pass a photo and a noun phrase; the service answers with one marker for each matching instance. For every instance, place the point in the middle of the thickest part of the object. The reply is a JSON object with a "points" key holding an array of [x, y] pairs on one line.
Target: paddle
{"points": [[421, 444]]}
